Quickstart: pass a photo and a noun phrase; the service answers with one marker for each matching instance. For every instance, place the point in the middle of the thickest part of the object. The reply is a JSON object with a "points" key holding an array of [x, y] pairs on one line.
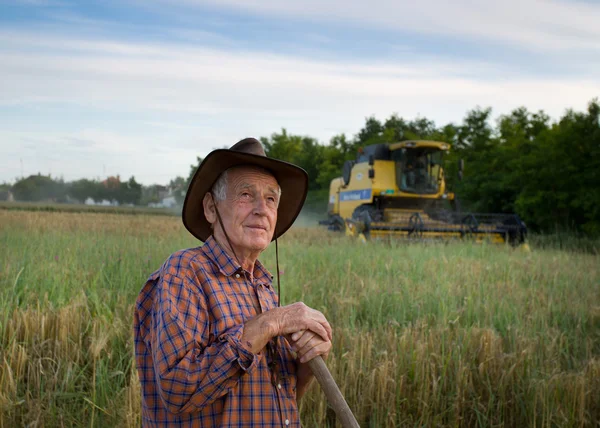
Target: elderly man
{"points": [[213, 347]]}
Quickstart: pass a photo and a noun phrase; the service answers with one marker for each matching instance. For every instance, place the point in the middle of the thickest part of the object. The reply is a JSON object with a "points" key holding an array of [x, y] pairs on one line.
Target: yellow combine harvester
{"points": [[399, 190]]}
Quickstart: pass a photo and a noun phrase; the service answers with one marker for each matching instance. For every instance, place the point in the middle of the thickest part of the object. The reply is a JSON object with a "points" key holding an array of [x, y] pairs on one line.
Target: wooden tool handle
{"points": [[333, 393]]}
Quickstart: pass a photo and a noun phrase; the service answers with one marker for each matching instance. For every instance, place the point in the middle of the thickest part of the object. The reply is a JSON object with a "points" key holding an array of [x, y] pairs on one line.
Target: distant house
{"points": [[103, 202], [6, 195], [112, 182], [163, 192], [168, 202]]}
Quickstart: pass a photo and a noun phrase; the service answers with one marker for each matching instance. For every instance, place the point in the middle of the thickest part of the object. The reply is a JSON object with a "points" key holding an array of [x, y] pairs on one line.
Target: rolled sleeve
{"points": [[245, 358], [192, 372]]}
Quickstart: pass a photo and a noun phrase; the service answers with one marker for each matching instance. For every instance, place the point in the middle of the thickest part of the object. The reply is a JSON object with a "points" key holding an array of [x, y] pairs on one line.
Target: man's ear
{"points": [[209, 208]]}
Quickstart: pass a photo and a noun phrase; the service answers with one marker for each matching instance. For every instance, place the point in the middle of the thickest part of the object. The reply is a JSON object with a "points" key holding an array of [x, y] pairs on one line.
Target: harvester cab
{"points": [[399, 190]]}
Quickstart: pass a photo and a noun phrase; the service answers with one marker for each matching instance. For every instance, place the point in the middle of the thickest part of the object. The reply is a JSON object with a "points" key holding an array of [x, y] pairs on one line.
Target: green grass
{"points": [[424, 334]]}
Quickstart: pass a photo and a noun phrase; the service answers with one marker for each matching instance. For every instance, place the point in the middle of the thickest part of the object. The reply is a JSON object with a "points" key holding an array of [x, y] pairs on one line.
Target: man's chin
{"points": [[259, 244], [262, 243]]}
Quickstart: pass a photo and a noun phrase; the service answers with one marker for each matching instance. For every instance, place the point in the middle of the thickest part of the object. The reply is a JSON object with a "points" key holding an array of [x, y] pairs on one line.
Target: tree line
{"points": [[548, 172], [40, 187]]}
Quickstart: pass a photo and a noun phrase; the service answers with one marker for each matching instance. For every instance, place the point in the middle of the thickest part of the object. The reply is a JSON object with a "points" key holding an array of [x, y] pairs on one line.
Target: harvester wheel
{"points": [[366, 214], [337, 224], [416, 225], [516, 231], [469, 226]]}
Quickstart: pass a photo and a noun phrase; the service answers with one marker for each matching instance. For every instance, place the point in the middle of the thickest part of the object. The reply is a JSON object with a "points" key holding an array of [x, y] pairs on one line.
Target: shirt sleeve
{"points": [[190, 372]]}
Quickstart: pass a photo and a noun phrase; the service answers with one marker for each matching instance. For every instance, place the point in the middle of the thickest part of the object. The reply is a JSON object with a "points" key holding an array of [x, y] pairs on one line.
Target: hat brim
{"points": [[292, 179]]}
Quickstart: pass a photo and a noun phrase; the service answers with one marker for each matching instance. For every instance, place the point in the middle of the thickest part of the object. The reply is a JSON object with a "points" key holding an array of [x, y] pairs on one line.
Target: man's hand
{"points": [[285, 320], [308, 345], [297, 316]]}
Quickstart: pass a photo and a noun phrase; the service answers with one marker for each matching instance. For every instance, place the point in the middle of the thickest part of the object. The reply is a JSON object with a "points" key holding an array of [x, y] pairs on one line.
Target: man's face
{"points": [[249, 211]]}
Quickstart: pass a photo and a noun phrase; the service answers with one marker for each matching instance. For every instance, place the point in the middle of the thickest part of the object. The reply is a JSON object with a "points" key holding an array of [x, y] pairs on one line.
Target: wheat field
{"points": [[425, 334]]}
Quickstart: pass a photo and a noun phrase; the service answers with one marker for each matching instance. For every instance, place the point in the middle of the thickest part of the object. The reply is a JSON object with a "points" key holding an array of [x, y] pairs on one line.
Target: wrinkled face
{"points": [[249, 211]]}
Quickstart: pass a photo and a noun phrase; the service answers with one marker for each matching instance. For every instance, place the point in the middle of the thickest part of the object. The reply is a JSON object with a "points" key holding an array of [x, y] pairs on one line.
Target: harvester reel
{"points": [[364, 215], [469, 225], [416, 225]]}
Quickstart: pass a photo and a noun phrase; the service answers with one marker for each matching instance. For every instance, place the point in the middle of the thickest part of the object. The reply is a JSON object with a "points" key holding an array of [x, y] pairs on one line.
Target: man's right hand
{"points": [[297, 316], [283, 321]]}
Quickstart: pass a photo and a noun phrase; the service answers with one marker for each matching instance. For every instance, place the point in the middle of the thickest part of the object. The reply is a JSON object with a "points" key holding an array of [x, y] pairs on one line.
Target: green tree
{"points": [[39, 188], [398, 129], [480, 189], [334, 155], [371, 133], [475, 132], [130, 192], [178, 187], [561, 184], [84, 188], [5, 191], [303, 151], [150, 194], [282, 146]]}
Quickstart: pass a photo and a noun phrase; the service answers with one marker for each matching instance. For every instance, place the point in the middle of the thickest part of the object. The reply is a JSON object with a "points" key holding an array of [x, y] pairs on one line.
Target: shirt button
{"points": [[237, 275], [287, 421], [279, 385]]}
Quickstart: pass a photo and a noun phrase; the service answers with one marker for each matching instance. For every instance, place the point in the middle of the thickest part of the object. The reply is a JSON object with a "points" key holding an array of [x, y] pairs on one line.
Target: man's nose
{"points": [[260, 206]]}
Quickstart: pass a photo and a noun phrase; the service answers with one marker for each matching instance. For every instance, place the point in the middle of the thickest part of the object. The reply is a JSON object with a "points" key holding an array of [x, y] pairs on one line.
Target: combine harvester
{"points": [[399, 190]]}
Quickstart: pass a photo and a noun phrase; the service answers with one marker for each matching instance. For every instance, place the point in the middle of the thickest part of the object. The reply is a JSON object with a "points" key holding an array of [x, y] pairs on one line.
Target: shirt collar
{"points": [[228, 265]]}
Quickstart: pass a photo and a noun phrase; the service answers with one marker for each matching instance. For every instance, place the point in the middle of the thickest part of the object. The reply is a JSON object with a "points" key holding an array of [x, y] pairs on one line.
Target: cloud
{"points": [[529, 24], [211, 82], [151, 107], [92, 153], [38, 3]]}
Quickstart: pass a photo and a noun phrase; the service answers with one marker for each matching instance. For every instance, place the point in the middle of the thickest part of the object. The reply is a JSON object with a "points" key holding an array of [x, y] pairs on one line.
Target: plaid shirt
{"points": [[193, 369]]}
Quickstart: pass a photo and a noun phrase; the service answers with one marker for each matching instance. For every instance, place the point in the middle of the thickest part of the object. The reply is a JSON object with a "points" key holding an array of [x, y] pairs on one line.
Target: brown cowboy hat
{"points": [[292, 179]]}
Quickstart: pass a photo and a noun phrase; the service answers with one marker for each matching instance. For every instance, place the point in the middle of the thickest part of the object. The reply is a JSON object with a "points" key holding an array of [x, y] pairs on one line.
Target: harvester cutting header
{"points": [[399, 190]]}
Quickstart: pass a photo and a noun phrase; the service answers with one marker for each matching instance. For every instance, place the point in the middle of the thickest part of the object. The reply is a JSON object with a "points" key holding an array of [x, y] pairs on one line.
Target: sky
{"points": [[140, 88]]}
